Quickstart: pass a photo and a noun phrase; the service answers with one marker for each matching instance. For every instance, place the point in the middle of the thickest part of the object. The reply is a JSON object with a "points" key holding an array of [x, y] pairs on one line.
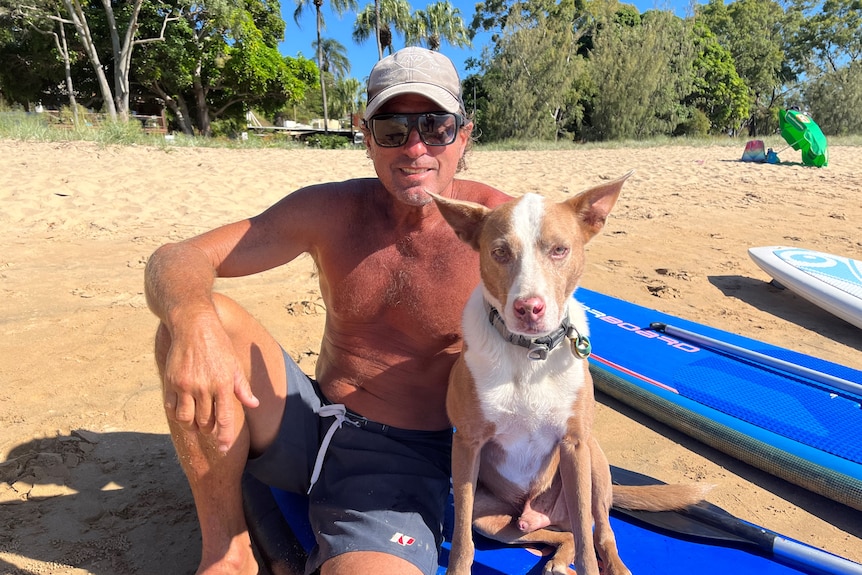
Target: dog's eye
{"points": [[559, 252], [501, 254]]}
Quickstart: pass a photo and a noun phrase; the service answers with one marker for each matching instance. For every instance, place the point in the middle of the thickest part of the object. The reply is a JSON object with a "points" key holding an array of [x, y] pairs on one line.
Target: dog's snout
{"points": [[530, 309]]}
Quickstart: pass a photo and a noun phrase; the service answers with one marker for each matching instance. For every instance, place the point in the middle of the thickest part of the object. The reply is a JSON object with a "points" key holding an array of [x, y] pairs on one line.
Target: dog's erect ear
{"points": [[593, 206], [464, 217]]}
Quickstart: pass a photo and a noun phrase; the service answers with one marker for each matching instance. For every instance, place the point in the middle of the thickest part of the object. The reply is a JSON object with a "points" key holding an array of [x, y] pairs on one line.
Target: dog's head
{"points": [[531, 251]]}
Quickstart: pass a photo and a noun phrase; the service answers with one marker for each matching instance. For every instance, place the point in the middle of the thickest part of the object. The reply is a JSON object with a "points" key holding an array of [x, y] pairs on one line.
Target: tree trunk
{"points": [[320, 65], [201, 101], [63, 48], [122, 55], [83, 29], [377, 29], [178, 107]]}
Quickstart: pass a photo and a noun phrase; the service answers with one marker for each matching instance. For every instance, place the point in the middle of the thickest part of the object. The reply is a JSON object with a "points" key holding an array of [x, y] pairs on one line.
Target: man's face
{"points": [[408, 170]]}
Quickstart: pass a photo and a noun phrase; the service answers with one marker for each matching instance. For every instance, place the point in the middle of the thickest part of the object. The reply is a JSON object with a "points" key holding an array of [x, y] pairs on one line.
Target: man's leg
{"points": [[369, 562], [214, 477]]}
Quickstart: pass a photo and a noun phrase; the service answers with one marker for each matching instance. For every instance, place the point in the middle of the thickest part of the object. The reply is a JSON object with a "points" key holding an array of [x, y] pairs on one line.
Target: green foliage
{"points": [[828, 33], [437, 23], [835, 98], [220, 58], [328, 142], [530, 82], [754, 32], [394, 14], [698, 125], [718, 91], [641, 75]]}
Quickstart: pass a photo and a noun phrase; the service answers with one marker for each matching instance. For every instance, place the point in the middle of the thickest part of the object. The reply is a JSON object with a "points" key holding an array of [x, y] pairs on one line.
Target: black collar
{"points": [[538, 348]]}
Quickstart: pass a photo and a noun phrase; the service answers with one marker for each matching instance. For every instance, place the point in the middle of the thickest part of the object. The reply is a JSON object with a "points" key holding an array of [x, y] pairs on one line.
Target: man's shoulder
{"points": [[480, 193]]}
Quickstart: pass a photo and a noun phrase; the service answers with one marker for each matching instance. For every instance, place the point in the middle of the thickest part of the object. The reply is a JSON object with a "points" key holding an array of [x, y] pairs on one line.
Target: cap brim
{"points": [[438, 95]]}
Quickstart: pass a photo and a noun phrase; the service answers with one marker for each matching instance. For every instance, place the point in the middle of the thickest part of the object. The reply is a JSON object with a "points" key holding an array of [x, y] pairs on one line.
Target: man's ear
{"points": [[466, 218]]}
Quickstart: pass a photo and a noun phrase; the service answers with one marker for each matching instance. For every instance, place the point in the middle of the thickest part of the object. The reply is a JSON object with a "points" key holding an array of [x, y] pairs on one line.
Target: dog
{"points": [[525, 465]]}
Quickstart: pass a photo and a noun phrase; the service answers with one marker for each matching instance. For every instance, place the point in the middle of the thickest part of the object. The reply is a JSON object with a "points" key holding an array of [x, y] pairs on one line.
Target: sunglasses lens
{"points": [[437, 129], [393, 130]]}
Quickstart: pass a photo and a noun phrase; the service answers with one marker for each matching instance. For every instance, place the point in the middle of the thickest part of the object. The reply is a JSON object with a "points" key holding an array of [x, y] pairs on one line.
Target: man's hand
{"points": [[204, 380]]}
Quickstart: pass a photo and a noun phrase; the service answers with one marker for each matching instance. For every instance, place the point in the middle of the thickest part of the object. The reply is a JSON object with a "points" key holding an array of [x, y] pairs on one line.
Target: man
{"points": [[368, 440]]}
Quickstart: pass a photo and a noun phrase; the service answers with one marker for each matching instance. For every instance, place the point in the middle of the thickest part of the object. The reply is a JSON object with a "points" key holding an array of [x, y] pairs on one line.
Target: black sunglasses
{"points": [[434, 128]]}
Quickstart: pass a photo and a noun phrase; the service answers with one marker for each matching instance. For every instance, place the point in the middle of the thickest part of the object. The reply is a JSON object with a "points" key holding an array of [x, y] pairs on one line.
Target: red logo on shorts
{"points": [[403, 540]]}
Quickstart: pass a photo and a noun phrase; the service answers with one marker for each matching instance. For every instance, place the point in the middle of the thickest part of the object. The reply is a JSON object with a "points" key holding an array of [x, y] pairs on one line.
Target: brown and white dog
{"points": [[525, 466]]}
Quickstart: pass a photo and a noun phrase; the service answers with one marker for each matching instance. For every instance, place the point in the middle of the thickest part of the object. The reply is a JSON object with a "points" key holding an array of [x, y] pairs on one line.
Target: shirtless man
{"points": [[369, 439]]}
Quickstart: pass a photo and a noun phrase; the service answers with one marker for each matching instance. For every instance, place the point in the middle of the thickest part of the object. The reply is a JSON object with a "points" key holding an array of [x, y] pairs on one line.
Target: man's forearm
{"points": [[178, 278]]}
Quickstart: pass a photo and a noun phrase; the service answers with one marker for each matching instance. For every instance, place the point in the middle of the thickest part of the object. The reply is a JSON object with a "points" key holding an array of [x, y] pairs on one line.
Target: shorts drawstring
{"points": [[338, 411]]}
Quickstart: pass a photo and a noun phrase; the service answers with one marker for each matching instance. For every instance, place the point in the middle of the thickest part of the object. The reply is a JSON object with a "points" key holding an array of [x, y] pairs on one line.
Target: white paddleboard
{"points": [[832, 282]]}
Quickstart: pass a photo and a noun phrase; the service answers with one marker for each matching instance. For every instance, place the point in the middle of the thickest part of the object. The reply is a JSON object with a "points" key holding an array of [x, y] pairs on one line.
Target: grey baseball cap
{"points": [[414, 70]]}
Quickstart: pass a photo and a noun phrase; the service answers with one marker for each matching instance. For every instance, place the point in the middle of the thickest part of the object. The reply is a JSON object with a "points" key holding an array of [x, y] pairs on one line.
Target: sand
{"points": [[88, 479]]}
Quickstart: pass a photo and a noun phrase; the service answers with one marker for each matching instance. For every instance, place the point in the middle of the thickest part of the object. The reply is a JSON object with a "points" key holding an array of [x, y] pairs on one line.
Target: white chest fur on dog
{"points": [[528, 401]]}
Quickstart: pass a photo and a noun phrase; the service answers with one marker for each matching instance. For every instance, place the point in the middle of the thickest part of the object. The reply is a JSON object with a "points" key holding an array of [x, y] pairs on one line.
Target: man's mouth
{"points": [[413, 171]]}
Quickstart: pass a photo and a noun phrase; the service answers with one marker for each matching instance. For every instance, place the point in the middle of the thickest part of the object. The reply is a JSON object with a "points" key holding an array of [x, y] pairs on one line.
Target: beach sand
{"points": [[89, 482]]}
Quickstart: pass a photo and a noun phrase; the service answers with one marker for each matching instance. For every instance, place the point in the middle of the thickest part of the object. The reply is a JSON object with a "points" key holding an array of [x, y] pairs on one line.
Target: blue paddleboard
{"points": [[704, 540], [793, 415]]}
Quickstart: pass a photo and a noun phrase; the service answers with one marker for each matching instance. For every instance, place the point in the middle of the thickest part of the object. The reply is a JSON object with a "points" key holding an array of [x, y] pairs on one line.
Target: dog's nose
{"points": [[531, 308]]}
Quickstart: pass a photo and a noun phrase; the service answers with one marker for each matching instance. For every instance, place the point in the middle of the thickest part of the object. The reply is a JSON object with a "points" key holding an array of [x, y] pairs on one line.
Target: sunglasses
{"points": [[434, 128]]}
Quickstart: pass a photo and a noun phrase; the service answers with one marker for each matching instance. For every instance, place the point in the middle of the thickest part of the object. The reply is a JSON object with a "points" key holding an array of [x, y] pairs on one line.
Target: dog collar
{"points": [[538, 348]]}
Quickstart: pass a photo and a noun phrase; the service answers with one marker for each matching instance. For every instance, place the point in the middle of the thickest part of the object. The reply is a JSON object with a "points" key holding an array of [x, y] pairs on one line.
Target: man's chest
{"points": [[413, 285]]}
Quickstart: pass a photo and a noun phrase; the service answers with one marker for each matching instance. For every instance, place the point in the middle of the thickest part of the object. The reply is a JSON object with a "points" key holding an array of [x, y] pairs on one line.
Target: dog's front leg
{"points": [[465, 475], [576, 473]]}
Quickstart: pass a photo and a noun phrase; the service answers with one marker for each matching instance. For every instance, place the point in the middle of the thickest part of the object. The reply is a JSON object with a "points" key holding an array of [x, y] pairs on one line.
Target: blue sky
{"points": [[362, 57]]}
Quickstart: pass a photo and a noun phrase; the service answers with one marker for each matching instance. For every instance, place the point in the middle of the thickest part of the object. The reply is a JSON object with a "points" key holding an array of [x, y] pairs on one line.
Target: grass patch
{"points": [[18, 125]]}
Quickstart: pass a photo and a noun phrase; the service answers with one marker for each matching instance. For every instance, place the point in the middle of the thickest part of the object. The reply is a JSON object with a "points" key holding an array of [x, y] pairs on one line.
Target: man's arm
{"points": [[202, 374]]}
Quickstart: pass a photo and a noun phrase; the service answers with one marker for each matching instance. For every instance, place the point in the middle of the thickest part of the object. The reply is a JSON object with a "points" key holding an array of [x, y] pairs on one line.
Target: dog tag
{"points": [[582, 346]]}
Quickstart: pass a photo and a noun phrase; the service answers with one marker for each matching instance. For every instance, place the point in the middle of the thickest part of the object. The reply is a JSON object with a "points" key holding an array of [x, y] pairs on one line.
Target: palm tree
{"points": [[339, 7], [392, 14], [347, 97], [334, 55], [439, 21]]}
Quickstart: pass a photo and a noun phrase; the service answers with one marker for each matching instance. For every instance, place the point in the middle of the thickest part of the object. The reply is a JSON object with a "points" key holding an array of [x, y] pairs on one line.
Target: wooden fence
{"points": [[149, 124]]}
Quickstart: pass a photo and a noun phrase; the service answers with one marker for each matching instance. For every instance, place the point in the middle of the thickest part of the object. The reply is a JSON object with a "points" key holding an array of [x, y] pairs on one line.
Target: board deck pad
{"points": [[784, 423], [832, 282]]}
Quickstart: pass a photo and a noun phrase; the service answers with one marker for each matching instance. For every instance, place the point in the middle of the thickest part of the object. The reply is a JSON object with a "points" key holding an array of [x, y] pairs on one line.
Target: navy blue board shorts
{"points": [[379, 488]]}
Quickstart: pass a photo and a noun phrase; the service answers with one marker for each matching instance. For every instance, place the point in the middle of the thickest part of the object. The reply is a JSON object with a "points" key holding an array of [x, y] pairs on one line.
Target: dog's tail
{"points": [[659, 497]]}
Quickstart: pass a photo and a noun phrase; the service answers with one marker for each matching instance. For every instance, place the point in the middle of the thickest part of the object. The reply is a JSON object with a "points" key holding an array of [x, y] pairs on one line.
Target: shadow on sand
{"points": [[107, 503], [784, 304]]}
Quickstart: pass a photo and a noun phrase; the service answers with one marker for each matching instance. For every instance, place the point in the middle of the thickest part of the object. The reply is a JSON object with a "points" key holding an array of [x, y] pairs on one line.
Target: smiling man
{"points": [[367, 438]]}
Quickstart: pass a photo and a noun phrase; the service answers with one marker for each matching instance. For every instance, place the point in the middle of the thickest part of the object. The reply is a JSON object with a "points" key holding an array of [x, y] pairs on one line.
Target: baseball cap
{"points": [[414, 70]]}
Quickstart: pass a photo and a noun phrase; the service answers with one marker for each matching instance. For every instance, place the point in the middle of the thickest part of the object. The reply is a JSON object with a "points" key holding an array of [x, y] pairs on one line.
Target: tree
{"points": [[347, 97], [754, 33], [220, 59], [641, 76], [116, 101], [834, 99], [438, 22], [380, 19], [335, 60], [829, 34], [339, 7], [32, 46], [718, 90], [529, 78]]}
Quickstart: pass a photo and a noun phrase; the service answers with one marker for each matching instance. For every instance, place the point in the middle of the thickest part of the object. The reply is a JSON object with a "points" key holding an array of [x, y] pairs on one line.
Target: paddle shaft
{"points": [[775, 545], [818, 376]]}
